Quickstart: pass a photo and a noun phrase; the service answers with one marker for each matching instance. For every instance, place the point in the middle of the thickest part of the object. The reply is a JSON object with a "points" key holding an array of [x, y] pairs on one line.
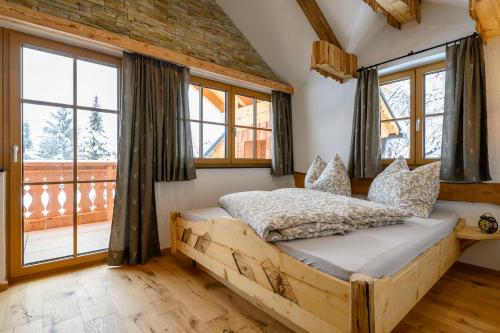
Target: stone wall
{"points": [[198, 28]]}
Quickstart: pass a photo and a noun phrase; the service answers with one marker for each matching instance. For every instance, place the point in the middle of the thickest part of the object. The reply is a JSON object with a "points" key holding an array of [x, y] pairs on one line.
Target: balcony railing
{"points": [[49, 202]]}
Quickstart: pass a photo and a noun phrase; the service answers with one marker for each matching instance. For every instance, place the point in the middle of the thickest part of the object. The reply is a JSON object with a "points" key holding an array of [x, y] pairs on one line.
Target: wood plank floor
{"points": [[170, 295]]}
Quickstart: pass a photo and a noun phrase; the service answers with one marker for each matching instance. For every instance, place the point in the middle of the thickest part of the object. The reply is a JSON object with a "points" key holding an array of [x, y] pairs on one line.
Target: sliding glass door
{"points": [[65, 104]]}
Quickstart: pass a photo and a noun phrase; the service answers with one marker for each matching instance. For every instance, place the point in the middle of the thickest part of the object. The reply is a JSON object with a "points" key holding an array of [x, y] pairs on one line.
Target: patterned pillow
{"points": [[314, 171], [334, 178], [385, 187], [420, 189], [415, 191]]}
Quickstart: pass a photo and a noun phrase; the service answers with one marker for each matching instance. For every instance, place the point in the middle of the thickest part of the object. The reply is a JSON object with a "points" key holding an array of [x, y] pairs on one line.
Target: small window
{"points": [[411, 114], [207, 107], [252, 128], [230, 126]]}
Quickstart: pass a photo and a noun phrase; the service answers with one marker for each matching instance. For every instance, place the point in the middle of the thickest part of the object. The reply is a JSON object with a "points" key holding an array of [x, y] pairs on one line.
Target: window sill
{"points": [[233, 166]]}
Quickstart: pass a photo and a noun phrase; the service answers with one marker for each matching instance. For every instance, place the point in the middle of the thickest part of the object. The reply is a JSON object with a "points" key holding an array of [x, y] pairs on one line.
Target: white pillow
{"points": [[415, 191], [315, 169], [334, 178]]}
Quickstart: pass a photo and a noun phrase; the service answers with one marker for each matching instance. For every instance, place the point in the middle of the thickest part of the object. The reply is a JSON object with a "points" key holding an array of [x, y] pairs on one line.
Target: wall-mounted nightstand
{"points": [[469, 235]]}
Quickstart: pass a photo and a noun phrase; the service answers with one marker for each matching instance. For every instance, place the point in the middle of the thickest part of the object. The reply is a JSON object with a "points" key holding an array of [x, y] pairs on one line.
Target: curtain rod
{"points": [[412, 53]]}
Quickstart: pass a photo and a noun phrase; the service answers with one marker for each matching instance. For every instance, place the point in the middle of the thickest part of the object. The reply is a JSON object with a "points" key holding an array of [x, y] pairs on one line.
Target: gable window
{"points": [[230, 126], [411, 114]]}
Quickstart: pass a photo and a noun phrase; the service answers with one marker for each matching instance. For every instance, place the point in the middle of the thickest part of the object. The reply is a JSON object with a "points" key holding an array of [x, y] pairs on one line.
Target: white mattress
{"points": [[378, 252]]}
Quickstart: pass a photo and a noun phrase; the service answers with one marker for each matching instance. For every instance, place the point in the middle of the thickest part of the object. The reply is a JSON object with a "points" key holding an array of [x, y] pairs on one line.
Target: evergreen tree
{"points": [[27, 141], [95, 142], [57, 143]]}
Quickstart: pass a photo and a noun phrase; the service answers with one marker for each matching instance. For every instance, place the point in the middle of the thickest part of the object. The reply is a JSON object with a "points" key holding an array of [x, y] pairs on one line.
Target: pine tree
{"points": [[95, 141], [57, 143], [27, 141]]}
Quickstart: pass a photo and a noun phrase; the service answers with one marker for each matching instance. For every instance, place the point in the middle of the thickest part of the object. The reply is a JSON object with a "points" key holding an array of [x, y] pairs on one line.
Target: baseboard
{"points": [[4, 286], [166, 251], [475, 268]]}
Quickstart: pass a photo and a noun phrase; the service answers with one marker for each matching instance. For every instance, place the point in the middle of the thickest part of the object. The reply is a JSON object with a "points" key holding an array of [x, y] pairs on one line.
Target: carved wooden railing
{"points": [[49, 204]]}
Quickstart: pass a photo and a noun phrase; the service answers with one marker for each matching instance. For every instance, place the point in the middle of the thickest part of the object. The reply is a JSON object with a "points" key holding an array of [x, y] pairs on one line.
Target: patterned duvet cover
{"points": [[292, 213]]}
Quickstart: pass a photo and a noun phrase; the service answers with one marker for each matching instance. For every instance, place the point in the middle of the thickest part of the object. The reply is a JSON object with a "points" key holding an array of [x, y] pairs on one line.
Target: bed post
{"points": [[173, 231], [362, 320]]}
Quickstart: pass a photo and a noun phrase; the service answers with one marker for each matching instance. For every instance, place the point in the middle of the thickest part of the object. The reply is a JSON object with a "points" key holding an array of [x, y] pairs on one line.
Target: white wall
{"points": [[206, 189]]}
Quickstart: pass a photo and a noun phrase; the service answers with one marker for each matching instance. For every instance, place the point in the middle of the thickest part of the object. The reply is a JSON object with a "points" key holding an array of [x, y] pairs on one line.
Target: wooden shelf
{"points": [[330, 60], [486, 13], [470, 235], [473, 233]]}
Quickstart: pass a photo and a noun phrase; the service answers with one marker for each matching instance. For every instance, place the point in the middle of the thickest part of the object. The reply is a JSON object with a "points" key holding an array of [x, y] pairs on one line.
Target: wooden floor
{"points": [[170, 295]]}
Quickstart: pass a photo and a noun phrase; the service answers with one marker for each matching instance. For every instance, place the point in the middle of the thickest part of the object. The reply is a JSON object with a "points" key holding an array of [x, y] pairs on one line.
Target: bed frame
{"points": [[300, 296]]}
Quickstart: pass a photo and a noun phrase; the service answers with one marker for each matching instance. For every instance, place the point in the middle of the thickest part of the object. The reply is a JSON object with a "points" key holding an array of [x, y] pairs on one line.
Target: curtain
{"points": [[364, 158], [464, 151], [155, 145], [282, 161]]}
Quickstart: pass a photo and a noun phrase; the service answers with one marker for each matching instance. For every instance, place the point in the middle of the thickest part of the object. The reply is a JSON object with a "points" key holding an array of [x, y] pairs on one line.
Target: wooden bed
{"points": [[300, 296]]}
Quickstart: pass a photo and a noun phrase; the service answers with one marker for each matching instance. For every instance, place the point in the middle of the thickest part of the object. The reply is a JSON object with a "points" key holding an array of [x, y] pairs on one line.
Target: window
{"points": [[230, 126], [411, 114], [69, 110]]}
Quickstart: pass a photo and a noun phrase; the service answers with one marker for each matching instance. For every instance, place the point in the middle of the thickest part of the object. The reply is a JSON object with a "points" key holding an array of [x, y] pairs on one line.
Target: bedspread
{"points": [[292, 213]]}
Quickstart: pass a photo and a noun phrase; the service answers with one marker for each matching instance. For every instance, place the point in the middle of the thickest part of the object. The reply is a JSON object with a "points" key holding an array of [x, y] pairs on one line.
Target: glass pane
{"points": [[395, 139], [433, 136], [194, 102], [263, 144], [47, 222], [95, 212], [97, 145], [395, 100], [97, 85], [47, 76], [214, 141], [263, 114], [195, 135], [243, 142], [214, 105], [434, 92], [47, 143], [243, 110]]}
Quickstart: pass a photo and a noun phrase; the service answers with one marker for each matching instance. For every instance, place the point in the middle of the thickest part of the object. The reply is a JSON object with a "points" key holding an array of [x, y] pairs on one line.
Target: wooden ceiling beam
{"points": [[318, 21], [397, 12], [486, 13]]}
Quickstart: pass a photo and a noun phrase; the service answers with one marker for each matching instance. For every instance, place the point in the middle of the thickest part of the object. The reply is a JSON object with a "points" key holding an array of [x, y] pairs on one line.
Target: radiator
{"points": [[3, 250]]}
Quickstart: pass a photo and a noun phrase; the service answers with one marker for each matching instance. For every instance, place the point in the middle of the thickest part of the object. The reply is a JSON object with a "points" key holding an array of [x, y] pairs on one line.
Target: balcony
{"points": [[48, 206]]}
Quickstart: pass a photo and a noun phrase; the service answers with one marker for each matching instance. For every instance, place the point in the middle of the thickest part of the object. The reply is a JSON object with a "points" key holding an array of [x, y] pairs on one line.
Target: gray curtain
{"points": [[464, 152], [282, 134], [155, 145], [364, 158]]}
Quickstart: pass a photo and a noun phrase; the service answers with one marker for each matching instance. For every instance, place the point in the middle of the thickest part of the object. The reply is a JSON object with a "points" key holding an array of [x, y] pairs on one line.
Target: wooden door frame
{"points": [[12, 42]]}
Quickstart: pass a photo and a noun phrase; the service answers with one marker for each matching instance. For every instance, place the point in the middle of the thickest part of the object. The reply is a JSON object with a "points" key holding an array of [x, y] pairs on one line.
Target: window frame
{"points": [[417, 109], [230, 161], [12, 67]]}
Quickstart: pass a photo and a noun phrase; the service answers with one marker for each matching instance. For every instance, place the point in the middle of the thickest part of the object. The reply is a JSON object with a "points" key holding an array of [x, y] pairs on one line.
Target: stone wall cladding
{"points": [[199, 28]]}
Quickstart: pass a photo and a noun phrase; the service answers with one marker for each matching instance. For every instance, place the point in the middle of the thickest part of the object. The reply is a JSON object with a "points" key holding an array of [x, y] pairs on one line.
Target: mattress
{"points": [[377, 251]]}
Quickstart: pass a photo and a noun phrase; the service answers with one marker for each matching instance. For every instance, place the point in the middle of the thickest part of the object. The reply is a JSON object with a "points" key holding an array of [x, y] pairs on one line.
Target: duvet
{"points": [[292, 213]]}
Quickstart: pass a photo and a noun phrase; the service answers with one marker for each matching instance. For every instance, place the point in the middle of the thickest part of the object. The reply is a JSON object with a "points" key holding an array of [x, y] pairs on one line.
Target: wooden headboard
{"points": [[476, 192]]}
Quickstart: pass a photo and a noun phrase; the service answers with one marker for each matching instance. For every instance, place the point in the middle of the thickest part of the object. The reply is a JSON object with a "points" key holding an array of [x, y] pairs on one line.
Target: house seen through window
{"points": [[229, 125]]}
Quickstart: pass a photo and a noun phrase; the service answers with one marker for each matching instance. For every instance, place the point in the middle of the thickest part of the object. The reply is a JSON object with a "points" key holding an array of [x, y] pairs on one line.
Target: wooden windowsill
{"points": [[233, 166]]}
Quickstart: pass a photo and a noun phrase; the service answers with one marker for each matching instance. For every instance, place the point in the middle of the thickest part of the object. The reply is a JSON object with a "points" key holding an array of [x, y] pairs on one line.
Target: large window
{"points": [[411, 114], [230, 126], [69, 110]]}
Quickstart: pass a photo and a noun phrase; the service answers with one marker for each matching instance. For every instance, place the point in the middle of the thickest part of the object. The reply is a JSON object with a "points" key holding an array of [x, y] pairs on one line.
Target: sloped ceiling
{"points": [[283, 36]]}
